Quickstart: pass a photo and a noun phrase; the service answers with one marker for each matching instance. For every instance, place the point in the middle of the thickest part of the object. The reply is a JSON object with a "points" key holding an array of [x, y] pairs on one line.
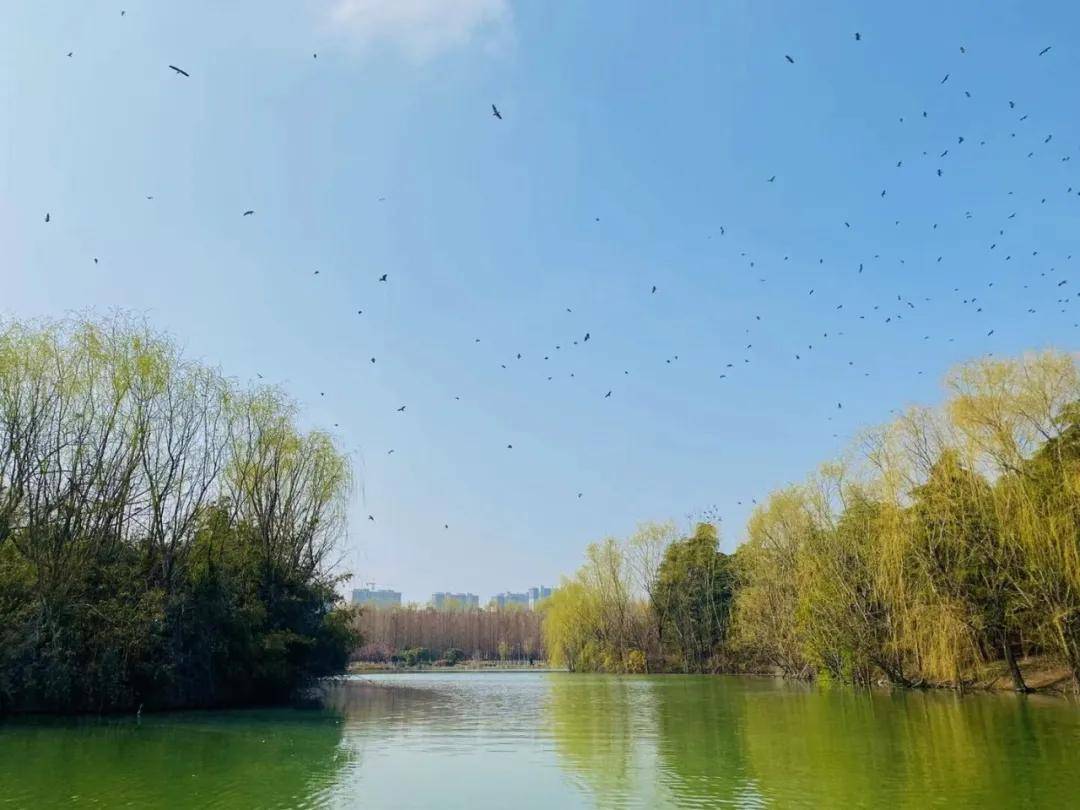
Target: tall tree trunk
{"points": [[1014, 667]]}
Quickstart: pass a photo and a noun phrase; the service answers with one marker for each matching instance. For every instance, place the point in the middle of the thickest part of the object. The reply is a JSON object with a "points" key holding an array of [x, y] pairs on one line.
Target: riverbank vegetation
{"points": [[944, 545], [166, 536], [411, 635]]}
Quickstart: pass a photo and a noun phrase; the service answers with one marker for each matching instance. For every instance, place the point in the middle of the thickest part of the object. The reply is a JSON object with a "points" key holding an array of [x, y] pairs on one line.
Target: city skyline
{"points": [[389, 597]]}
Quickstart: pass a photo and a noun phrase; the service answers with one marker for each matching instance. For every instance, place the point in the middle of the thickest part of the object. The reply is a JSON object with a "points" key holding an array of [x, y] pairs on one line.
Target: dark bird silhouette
{"points": [[945, 79], [509, 447], [654, 288], [371, 518], [858, 36], [401, 409], [47, 216], [772, 179], [792, 61], [382, 277], [586, 336], [179, 71], [495, 112], [70, 53], [1045, 50], [248, 213], [607, 395]]}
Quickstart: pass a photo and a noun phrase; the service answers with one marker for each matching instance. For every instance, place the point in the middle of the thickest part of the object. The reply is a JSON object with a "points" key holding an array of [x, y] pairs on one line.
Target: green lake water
{"points": [[555, 740]]}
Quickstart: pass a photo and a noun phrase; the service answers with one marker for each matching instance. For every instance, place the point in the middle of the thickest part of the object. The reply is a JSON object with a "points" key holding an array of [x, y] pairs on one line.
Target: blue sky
{"points": [[635, 150]]}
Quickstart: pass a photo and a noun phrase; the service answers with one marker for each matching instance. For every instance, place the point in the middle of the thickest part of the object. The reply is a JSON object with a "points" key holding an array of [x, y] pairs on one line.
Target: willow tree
{"points": [[844, 618], [1020, 415], [597, 620], [766, 604]]}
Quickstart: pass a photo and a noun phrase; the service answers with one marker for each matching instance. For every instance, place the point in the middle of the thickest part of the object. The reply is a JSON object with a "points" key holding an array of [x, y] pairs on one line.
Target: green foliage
{"points": [[692, 598], [414, 656], [948, 540], [635, 603], [957, 543], [163, 536]]}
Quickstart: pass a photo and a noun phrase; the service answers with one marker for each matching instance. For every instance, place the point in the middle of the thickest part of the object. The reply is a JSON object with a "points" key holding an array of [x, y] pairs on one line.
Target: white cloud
{"points": [[423, 29]]}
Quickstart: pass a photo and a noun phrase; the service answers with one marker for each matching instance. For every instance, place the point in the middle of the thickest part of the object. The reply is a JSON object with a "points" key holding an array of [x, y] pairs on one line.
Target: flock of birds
{"points": [[884, 312]]}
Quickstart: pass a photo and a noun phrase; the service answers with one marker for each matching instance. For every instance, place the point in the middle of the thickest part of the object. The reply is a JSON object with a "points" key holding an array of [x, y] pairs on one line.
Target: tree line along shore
{"points": [[943, 549], [167, 540]]}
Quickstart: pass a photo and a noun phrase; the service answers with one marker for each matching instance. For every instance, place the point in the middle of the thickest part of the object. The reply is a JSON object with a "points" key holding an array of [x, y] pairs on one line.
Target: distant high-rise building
{"points": [[374, 598], [444, 600], [537, 594], [501, 600], [529, 599]]}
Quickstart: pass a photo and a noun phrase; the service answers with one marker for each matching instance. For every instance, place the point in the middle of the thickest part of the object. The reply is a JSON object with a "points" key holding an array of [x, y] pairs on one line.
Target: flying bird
{"points": [[1045, 50], [792, 61], [46, 216], [248, 213], [382, 277], [495, 112], [178, 70], [858, 36], [401, 409]]}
